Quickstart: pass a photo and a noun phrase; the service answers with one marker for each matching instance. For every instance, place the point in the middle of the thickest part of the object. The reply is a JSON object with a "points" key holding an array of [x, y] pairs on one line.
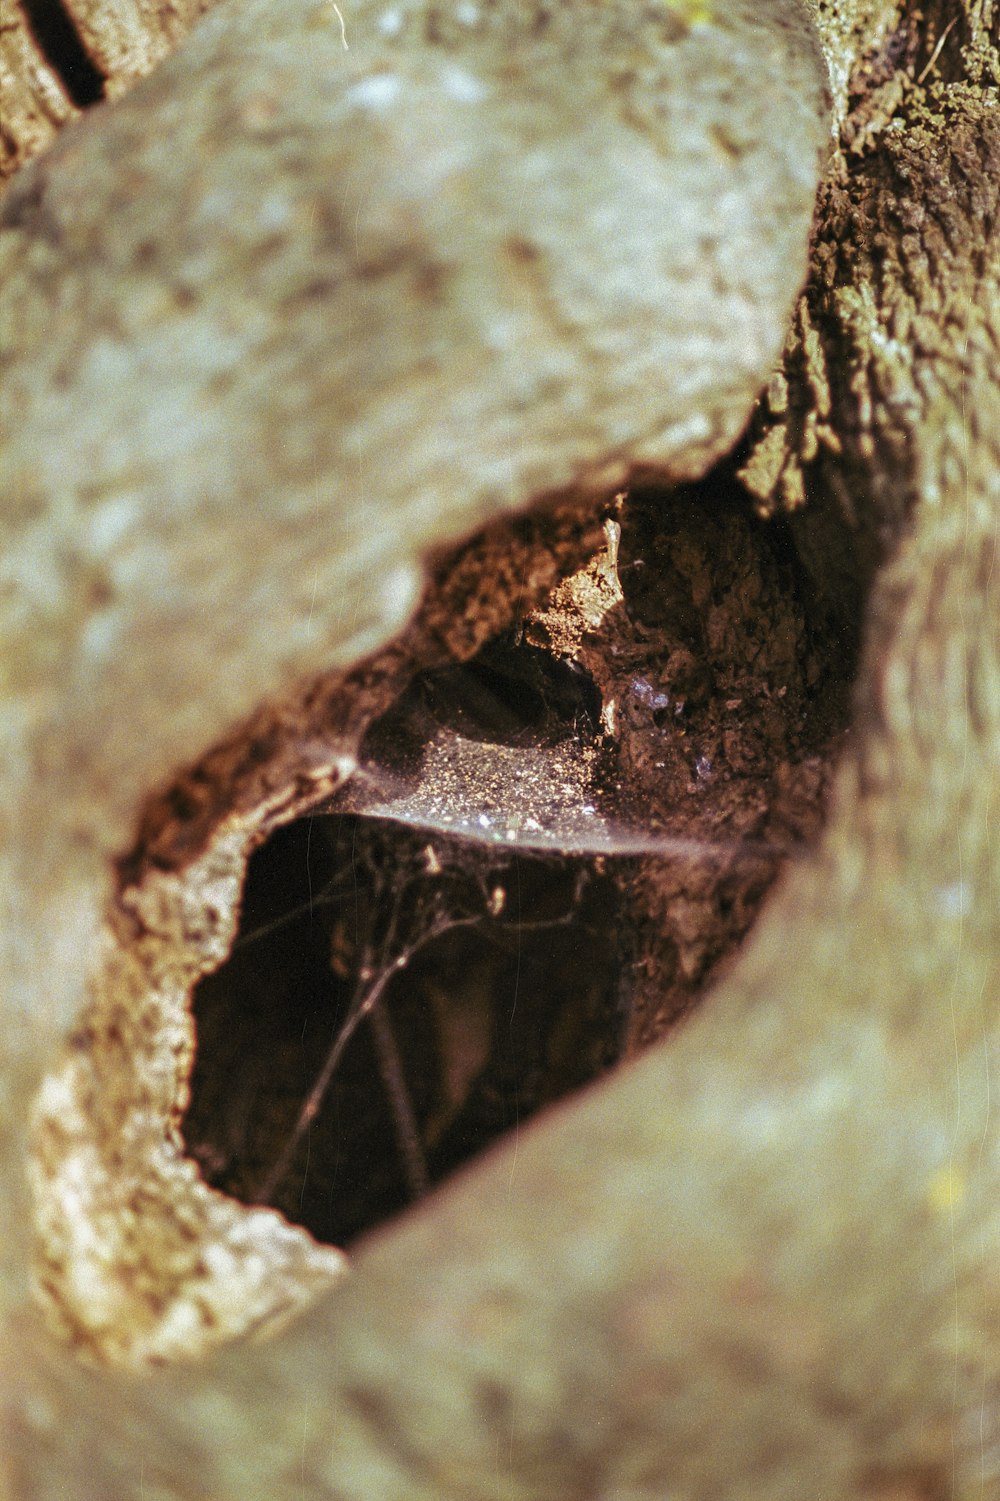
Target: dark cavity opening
{"points": [[394, 1002], [58, 40], [547, 856], [511, 693]]}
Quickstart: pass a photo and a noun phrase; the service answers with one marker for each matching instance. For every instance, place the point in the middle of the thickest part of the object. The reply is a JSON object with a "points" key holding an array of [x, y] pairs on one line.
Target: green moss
{"points": [[691, 12]]}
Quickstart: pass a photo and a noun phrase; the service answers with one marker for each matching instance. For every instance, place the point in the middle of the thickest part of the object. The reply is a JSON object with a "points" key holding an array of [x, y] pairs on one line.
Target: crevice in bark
{"points": [[55, 32]]}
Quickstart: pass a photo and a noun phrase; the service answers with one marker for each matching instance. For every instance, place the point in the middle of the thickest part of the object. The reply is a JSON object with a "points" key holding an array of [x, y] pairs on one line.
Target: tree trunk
{"points": [[760, 1260]]}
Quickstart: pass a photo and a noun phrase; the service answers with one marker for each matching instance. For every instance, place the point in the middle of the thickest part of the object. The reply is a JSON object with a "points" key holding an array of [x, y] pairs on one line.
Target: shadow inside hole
{"points": [[498, 997], [400, 994], [509, 694]]}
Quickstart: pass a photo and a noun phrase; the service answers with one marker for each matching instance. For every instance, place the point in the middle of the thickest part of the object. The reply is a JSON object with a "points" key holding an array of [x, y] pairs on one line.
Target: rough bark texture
{"points": [[761, 1262], [56, 60]]}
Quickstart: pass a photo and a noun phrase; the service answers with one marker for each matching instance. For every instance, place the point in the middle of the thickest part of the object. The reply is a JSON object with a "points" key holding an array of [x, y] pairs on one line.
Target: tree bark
{"points": [[58, 60], [759, 1262]]}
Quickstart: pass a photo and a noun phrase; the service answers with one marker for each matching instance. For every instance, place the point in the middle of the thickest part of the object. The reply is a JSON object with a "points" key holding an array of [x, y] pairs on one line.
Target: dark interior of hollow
{"points": [[507, 1001], [505, 978]]}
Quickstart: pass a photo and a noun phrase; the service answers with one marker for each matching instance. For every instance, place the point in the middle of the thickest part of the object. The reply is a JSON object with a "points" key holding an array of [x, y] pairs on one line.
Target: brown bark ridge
{"points": [[783, 1282], [34, 103], [127, 39]]}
